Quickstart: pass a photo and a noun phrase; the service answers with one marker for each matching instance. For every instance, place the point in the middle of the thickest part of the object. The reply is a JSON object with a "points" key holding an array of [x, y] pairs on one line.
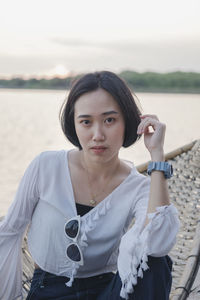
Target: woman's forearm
{"points": [[154, 142], [159, 194]]}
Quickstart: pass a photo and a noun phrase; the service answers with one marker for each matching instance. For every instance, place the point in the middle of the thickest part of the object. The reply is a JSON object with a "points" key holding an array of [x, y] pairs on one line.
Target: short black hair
{"points": [[121, 93]]}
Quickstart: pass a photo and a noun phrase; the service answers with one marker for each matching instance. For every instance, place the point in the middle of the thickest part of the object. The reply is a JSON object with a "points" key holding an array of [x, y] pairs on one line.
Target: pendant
{"points": [[93, 202]]}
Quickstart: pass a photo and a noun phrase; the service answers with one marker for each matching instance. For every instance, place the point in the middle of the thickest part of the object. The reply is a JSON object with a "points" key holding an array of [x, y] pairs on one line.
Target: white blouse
{"points": [[45, 201]]}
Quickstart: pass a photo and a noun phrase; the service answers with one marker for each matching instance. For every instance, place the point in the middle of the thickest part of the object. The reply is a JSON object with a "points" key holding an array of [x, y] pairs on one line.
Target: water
{"points": [[29, 124]]}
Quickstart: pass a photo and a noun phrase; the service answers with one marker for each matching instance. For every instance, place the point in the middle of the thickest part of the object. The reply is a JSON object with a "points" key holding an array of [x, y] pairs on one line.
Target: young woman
{"points": [[79, 205]]}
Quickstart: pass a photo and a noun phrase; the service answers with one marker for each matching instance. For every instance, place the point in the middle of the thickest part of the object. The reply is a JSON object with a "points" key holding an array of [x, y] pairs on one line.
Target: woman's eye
{"points": [[110, 120], [85, 122]]}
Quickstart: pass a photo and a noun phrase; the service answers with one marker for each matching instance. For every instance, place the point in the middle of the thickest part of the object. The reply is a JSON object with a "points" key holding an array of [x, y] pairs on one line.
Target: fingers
{"points": [[150, 116], [149, 121]]}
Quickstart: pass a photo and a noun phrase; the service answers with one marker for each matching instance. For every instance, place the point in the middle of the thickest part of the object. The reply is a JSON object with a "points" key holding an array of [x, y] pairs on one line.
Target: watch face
{"points": [[171, 170]]}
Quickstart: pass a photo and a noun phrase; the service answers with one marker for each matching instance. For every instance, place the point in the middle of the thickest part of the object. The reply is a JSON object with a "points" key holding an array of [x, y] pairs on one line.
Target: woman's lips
{"points": [[99, 149]]}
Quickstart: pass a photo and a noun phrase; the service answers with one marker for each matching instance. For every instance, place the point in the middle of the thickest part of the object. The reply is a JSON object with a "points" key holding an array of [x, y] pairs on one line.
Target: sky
{"points": [[45, 38]]}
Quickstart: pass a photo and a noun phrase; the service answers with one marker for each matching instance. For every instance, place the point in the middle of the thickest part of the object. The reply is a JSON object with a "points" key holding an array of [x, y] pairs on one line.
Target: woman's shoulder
{"points": [[51, 157], [48, 154], [131, 168], [135, 176]]}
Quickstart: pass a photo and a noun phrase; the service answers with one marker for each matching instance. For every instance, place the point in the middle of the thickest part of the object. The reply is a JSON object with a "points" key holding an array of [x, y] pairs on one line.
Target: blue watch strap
{"points": [[162, 166]]}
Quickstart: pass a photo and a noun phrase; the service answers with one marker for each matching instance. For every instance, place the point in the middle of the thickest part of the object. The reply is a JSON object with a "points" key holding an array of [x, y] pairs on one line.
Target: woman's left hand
{"points": [[153, 140]]}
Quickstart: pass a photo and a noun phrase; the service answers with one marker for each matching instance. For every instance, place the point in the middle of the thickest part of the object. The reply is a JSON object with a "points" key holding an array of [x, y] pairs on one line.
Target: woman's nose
{"points": [[98, 134]]}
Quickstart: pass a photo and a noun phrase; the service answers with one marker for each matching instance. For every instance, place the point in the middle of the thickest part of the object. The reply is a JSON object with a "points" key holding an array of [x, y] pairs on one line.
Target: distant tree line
{"points": [[33, 83], [138, 82], [166, 82]]}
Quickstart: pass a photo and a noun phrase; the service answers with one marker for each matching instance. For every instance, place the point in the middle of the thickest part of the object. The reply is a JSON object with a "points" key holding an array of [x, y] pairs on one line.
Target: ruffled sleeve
{"points": [[141, 241], [12, 229]]}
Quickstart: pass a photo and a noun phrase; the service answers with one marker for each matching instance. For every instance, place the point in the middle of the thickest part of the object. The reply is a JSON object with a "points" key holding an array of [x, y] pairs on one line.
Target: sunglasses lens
{"points": [[71, 228], [73, 253]]}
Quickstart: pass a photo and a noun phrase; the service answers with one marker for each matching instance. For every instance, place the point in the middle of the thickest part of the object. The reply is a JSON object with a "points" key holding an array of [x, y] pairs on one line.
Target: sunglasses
{"points": [[72, 229]]}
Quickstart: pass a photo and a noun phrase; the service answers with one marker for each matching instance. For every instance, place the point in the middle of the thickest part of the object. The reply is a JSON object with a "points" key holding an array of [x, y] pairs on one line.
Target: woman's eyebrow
{"points": [[110, 112], [84, 116], [104, 114]]}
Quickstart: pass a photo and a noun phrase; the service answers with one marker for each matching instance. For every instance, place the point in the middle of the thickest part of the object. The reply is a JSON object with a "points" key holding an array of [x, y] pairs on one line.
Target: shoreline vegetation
{"points": [[174, 82]]}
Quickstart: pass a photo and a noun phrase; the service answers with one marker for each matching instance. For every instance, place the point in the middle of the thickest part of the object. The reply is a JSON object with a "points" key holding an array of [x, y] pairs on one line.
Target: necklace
{"points": [[93, 200]]}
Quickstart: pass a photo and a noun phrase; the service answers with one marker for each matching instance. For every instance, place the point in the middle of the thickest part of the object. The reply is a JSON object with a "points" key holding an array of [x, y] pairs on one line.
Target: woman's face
{"points": [[99, 125]]}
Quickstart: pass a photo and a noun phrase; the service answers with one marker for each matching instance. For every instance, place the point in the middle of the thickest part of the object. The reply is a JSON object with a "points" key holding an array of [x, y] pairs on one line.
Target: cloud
{"points": [[84, 55], [128, 45], [72, 42]]}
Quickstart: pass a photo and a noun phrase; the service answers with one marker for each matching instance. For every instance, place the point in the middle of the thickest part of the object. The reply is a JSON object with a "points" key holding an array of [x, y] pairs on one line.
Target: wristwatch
{"points": [[162, 166]]}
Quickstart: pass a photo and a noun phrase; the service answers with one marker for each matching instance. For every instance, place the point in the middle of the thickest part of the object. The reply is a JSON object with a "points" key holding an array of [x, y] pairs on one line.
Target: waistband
{"points": [[47, 278]]}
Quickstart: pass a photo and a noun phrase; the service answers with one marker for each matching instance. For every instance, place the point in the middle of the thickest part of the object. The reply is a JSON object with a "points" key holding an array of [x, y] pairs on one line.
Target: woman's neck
{"points": [[99, 170]]}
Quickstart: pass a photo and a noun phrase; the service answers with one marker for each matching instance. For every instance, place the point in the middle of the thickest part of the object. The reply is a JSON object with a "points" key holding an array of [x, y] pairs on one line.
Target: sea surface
{"points": [[29, 124]]}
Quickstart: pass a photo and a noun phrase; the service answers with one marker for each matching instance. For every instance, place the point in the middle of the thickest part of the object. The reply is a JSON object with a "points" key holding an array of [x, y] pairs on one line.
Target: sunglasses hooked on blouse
{"points": [[72, 229]]}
